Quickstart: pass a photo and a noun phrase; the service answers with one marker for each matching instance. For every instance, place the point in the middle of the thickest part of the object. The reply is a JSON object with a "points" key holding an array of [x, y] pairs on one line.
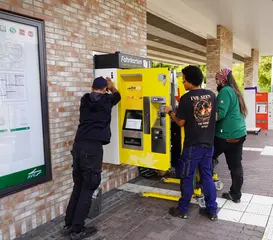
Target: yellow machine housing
{"points": [[182, 91], [144, 128]]}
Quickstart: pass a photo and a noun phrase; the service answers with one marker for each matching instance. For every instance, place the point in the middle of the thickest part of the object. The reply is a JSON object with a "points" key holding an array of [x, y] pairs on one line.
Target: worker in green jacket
{"points": [[230, 132]]}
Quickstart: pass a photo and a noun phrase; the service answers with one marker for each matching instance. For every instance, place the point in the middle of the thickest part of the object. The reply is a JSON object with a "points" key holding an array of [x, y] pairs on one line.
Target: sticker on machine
{"points": [[134, 88]]}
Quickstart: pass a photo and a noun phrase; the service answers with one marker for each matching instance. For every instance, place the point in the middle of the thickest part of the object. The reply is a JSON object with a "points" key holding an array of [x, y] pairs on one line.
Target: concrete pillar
{"points": [[251, 69], [219, 54]]}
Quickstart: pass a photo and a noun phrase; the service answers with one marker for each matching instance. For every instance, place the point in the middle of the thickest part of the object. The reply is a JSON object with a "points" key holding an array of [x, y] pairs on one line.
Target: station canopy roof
{"points": [[178, 29]]}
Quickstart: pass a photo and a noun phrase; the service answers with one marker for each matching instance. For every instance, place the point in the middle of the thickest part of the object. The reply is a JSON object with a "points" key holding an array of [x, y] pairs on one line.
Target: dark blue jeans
{"points": [[191, 158]]}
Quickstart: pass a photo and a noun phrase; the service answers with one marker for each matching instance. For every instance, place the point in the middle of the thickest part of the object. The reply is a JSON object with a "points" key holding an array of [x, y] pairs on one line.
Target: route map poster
{"points": [[24, 144]]}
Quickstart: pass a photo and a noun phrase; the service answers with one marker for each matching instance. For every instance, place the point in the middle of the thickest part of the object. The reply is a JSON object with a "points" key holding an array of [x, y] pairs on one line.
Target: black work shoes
{"points": [[86, 233], [228, 196], [67, 230], [175, 212], [204, 212]]}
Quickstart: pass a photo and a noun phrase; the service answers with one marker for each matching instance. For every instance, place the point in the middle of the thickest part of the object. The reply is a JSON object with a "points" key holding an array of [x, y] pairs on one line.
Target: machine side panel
{"points": [[270, 110], [111, 150], [181, 91]]}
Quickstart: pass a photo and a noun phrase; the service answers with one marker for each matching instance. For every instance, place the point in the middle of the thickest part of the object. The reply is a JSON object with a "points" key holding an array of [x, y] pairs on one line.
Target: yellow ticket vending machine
{"points": [[144, 136], [141, 133]]}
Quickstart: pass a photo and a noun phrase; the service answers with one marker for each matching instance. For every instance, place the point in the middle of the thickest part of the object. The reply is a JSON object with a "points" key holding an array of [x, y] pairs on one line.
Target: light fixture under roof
{"points": [[156, 39]]}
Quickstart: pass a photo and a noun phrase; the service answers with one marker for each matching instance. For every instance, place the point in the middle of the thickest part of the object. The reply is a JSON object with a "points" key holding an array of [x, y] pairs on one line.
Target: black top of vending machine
{"points": [[121, 61]]}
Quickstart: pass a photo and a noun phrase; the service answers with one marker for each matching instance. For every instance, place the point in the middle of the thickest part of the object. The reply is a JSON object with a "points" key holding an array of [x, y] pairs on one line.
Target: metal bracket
{"points": [[162, 78]]}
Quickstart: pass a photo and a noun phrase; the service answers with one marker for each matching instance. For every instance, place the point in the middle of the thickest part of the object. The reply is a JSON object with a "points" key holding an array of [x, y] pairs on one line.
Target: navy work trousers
{"points": [[191, 158]]}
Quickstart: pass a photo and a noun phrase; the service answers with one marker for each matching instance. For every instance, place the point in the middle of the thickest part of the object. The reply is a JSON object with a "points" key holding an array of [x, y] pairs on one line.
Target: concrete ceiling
{"points": [[178, 29], [249, 20], [170, 43]]}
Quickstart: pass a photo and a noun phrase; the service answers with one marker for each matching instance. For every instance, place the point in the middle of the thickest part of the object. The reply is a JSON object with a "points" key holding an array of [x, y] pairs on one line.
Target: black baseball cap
{"points": [[99, 83]]}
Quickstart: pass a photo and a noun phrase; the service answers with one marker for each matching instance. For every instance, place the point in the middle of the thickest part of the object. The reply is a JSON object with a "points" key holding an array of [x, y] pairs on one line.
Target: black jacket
{"points": [[95, 117]]}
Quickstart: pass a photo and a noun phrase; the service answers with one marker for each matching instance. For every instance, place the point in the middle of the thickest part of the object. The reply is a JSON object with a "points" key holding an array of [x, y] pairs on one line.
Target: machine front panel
{"points": [[144, 142]]}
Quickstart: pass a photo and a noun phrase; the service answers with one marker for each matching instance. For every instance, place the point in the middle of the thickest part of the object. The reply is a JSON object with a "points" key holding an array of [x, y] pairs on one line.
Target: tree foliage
{"points": [[171, 67], [265, 73], [204, 71], [238, 74]]}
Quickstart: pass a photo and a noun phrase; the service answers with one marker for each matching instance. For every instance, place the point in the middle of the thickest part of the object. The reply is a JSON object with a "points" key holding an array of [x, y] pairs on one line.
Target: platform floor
{"points": [[126, 215]]}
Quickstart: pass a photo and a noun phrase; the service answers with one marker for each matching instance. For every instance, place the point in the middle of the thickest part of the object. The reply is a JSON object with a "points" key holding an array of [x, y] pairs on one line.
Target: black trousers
{"points": [[233, 150], [87, 158]]}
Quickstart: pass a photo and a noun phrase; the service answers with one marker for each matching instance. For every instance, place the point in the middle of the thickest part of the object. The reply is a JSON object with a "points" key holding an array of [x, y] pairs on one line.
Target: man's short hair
{"points": [[193, 75]]}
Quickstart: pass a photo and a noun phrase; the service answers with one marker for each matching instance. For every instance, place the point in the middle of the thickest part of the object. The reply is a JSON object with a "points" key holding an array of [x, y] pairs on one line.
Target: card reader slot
{"points": [[132, 141]]}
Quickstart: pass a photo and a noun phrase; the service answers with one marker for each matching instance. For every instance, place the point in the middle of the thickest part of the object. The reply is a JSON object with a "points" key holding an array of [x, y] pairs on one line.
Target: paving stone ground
{"points": [[258, 169], [129, 216]]}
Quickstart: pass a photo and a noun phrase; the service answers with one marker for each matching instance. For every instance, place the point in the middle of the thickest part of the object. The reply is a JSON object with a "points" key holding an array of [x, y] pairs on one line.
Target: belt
{"points": [[232, 140]]}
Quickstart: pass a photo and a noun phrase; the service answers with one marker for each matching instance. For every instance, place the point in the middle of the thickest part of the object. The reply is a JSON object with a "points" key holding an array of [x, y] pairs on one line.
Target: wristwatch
{"points": [[170, 112]]}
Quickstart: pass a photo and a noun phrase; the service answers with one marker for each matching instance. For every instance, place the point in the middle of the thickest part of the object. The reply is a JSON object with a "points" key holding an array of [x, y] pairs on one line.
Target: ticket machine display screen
{"points": [[133, 120]]}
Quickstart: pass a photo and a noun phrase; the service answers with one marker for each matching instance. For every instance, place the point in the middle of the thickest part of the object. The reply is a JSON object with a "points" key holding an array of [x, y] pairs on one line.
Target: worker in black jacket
{"points": [[93, 132]]}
